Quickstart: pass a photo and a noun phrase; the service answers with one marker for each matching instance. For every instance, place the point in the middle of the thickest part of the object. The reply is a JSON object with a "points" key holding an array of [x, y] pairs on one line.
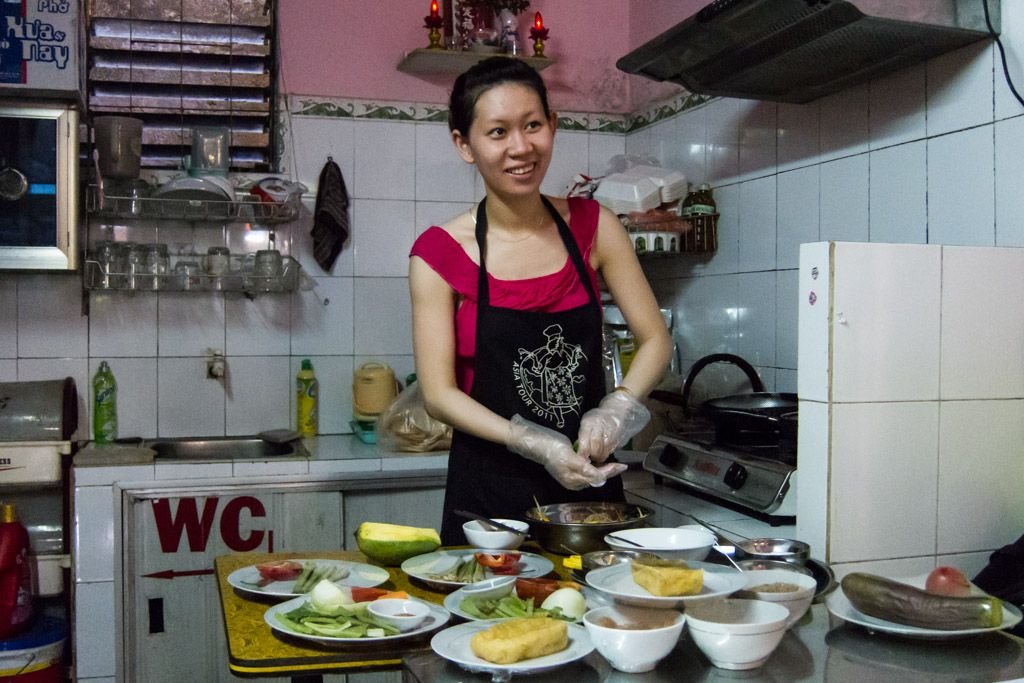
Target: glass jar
{"points": [[155, 264]]}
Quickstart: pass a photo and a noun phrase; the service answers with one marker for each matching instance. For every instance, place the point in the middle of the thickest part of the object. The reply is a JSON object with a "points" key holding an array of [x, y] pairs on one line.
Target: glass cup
{"points": [[218, 264], [155, 263], [267, 270], [188, 275], [105, 255]]}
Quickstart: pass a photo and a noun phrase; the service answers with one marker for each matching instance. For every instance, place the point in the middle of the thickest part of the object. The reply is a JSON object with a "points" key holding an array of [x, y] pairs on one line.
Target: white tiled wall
{"points": [[933, 154], [401, 176]]}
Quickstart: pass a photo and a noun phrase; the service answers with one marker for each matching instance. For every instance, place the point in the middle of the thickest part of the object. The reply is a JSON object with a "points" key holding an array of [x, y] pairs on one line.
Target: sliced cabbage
{"points": [[327, 597], [569, 600]]}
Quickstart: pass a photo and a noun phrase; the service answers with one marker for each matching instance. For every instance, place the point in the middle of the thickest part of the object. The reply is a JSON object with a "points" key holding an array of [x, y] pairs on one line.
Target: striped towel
{"points": [[330, 216]]}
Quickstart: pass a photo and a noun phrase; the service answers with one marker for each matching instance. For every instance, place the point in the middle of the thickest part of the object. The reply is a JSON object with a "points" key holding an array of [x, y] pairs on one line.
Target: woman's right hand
{"points": [[553, 450]]}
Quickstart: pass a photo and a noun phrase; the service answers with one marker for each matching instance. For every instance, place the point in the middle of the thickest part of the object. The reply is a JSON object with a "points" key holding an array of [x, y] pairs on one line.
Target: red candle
{"points": [[538, 22], [434, 12]]}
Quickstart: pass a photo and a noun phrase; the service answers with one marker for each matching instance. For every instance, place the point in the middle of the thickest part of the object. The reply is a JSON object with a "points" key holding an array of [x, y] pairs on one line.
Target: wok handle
{"points": [[747, 368]]}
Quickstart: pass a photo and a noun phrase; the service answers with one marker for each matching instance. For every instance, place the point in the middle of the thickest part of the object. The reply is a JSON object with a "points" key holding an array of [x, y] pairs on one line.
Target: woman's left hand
{"points": [[609, 426]]}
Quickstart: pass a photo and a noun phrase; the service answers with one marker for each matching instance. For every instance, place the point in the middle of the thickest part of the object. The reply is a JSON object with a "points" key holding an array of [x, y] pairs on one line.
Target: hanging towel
{"points": [[330, 216]]}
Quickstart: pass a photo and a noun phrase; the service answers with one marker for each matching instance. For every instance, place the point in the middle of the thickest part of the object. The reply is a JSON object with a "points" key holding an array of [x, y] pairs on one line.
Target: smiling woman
{"points": [[507, 319]]}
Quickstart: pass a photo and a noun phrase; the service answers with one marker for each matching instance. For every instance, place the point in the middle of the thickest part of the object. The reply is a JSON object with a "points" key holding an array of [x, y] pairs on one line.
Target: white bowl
{"points": [[486, 539], [633, 650], [796, 601], [403, 614], [490, 589], [667, 543], [737, 634]]}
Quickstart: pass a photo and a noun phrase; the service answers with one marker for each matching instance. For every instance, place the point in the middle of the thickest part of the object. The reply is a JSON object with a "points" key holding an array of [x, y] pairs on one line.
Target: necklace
{"points": [[530, 234]]}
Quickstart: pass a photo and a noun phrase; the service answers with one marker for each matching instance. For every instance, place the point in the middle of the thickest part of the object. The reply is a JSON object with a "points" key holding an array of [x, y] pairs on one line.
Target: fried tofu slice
{"points": [[667, 578], [512, 641]]}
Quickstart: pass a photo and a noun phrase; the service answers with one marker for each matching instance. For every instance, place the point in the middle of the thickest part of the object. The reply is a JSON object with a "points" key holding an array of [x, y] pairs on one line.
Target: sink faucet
{"points": [[215, 364]]}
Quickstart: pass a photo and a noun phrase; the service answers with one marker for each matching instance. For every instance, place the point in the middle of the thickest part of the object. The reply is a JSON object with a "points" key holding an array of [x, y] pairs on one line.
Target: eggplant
{"points": [[883, 598]]}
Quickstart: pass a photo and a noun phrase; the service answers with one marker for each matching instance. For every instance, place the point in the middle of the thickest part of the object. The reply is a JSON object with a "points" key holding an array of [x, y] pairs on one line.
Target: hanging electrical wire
{"points": [[1002, 54]]}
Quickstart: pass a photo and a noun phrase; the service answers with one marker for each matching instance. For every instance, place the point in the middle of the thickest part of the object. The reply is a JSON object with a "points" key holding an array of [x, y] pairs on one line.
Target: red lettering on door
{"points": [[187, 519], [231, 526]]}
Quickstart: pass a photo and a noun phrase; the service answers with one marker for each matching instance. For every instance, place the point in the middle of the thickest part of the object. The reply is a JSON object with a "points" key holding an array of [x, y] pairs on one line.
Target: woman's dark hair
{"points": [[483, 76]]}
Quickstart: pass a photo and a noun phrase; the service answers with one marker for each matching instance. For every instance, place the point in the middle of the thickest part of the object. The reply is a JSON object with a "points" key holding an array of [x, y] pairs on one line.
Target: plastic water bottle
{"points": [[307, 406], [15, 574], [104, 406]]}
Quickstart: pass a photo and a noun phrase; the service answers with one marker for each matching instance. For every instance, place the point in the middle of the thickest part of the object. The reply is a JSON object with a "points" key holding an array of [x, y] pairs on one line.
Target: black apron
{"points": [[546, 367]]}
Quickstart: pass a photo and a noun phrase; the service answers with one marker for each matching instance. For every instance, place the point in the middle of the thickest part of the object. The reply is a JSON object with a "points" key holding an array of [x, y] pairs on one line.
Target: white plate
{"points": [[453, 644], [617, 581], [359, 574], [839, 605], [424, 567], [191, 188], [453, 600], [438, 617]]}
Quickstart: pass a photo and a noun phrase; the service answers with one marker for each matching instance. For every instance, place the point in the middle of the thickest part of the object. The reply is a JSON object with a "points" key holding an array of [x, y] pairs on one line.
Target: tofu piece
{"points": [[512, 641], [667, 578]]}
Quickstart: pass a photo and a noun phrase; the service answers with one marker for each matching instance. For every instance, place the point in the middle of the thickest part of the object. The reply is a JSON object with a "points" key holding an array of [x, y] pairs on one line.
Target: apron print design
{"points": [[548, 377]]}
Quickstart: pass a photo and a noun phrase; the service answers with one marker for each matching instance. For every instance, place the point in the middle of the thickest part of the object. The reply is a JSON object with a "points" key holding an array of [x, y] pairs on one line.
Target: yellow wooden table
{"points": [[255, 651]]}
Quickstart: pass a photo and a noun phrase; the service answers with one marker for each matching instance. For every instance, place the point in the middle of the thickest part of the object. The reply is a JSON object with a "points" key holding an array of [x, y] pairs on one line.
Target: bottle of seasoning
{"points": [[15, 574], [686, 207], [104, 406], [306, 400], [704, 203]]}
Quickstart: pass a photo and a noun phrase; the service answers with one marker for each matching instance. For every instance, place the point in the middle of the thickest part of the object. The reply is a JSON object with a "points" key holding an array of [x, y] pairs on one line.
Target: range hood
{"points": [[799, 50]]}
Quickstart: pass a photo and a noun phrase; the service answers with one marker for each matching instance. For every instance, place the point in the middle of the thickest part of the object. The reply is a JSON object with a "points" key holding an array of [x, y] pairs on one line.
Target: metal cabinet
{"points": [[172, 622]]}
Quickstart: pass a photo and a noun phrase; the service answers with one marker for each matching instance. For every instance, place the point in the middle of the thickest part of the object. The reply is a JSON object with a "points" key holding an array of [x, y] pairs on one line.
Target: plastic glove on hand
{"points": [[553, 450], [610, 426]]}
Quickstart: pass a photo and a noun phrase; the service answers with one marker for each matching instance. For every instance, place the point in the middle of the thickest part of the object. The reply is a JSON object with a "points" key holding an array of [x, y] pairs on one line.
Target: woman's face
{"points": [[510, 140]]}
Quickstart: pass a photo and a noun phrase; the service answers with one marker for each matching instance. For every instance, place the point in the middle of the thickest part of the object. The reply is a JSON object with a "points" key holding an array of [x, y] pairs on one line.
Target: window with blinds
{"points": [[178, 64]]}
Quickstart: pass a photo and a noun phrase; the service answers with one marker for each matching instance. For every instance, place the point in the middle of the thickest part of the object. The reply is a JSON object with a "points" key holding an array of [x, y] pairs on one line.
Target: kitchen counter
{"points": [[818, 648]]}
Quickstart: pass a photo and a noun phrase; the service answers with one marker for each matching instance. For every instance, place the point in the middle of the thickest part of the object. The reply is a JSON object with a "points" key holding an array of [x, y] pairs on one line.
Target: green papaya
{"points": [[392, 544]]}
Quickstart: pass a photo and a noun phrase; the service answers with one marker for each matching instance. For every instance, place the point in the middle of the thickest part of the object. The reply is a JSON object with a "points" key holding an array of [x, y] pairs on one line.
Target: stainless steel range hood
{"points": [[800, 50]]}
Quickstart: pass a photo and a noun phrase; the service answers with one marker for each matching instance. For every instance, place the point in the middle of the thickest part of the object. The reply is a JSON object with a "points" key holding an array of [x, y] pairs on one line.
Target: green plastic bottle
{"points": [[104, 405], [307, 404]]}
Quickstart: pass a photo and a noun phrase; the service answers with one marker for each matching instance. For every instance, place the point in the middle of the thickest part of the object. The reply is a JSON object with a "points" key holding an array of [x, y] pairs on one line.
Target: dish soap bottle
{"points": [[306, 400], [15, 573], [104, 406]]}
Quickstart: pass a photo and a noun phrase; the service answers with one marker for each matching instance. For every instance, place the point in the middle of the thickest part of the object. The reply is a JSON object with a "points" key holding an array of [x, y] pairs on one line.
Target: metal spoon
{"points": [[490, 522], [626, 541]]}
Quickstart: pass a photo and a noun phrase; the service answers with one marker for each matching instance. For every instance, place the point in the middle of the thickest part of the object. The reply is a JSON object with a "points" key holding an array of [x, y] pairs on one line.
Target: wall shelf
{"points": [[426, 61]]}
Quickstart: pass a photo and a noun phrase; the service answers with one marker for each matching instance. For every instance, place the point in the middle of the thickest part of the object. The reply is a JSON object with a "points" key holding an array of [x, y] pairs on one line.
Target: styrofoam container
{"points": [[671, 184], [623, 193]]}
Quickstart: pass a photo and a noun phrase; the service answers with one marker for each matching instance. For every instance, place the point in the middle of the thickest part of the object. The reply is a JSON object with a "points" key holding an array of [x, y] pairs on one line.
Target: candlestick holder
{"points": [[539, 35], [434, 22]]}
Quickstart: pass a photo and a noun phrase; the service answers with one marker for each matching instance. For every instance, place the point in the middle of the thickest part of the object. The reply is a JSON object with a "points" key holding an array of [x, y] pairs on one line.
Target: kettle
{"points": [[374, 387]]}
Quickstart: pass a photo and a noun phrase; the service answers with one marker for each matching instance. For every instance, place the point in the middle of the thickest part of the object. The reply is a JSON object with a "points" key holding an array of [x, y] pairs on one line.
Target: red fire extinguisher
{"points": [[15, 574]]}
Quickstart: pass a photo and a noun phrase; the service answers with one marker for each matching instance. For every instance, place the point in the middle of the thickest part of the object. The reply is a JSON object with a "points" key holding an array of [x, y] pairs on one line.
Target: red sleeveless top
{"points": [[557, 291]]}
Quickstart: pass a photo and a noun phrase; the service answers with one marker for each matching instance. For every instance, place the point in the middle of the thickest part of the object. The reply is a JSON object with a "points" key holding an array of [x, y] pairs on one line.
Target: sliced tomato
{"points": [[501, 563], [535, 589], [362, 594], [284, 570]]}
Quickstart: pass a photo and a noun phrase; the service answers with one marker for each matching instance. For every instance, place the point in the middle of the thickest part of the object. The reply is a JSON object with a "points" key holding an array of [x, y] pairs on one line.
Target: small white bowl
{"points": [[667, 543], [796, 601], [403, 614], [633, 650], [737, 634], [490, 589], [478, 536]]}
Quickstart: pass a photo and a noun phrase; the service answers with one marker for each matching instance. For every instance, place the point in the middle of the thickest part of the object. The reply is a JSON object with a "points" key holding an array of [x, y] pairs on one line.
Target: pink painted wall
{"points": [[343, 48]]}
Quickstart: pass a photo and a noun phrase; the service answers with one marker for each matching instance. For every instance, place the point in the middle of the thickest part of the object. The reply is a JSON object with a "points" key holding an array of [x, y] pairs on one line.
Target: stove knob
{"points": [[735, 476], [670, 456]]}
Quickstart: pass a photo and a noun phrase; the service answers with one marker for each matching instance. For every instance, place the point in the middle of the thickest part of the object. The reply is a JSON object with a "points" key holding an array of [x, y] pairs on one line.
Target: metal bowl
{"points": [[759, 565], [785, 549], [564, 527], [606, 558]]}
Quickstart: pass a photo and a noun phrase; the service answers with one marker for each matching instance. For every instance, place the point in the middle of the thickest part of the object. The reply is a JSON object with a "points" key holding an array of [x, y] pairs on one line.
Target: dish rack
{"points": [[239, 277], [245, 207]]}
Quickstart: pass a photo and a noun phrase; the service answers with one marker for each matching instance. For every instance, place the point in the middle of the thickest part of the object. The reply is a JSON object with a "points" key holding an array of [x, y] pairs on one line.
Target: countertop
{"points": [[818, 648]]}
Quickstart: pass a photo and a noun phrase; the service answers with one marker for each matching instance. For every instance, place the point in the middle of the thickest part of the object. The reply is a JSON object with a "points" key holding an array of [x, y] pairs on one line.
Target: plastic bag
{"points": [[405, 425]]}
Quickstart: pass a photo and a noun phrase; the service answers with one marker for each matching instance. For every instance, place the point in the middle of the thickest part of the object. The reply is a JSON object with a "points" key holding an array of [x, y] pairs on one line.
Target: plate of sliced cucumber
{"points": [[297, 577]]}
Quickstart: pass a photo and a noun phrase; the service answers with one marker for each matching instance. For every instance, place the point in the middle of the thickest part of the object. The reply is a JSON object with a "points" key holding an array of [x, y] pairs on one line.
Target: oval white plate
{"points": [[359, 574], [453, 644], [839, 605], [617, 581], [438, 617], [452, 601], [425, 567]]}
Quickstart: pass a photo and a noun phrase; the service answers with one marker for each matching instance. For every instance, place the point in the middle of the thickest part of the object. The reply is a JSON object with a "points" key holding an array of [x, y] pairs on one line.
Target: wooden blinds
{"points": [[177, 64]]}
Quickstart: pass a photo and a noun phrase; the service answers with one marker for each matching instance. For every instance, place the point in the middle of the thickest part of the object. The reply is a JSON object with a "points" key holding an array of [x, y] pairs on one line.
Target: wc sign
{"points": [[188, 524]]}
